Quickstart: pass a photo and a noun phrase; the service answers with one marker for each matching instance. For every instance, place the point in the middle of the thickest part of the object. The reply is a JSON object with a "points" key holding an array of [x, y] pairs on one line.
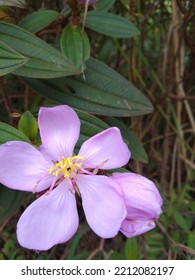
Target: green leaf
{"points": [[105, 53], [103, 92], [135, 146], [44, 61], [10, 201], [131, 249], [28, 125], [110, 24], [9, 133], [14, 3], [104, 5], [180, 220], [75, 45], [38, 20], [9, 59]]}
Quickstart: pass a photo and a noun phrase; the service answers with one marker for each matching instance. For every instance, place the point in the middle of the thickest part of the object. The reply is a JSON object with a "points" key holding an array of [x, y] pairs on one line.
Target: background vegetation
{"points": [[160, 62]]}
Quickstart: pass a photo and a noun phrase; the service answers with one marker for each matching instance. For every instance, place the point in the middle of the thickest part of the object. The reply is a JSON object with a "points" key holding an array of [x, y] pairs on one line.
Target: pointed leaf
{"points": [[38, 20], [103, 92], [110, 24], [44, 61], [9, 59]]}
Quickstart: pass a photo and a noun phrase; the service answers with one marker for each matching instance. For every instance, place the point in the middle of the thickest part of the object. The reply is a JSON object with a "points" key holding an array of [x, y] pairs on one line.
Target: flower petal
{"points": [[21, 166], [134, 179], [131, 228], [104, 207], [106, 150], [59, 128], [142, 198], [49, 220]]}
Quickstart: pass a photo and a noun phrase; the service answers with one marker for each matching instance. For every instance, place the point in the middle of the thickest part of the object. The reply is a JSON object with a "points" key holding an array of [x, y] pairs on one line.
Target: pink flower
{"points": [[91, 2], [53, 217], [143, 203]]}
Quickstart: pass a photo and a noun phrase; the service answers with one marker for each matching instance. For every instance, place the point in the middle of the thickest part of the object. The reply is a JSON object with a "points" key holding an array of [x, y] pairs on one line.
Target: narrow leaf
{"points": [[44, 60], [110, 24]]}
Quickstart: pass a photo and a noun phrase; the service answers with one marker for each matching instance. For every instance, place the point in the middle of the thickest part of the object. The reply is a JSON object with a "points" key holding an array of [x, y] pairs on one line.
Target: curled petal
{"points": [[105, 150], [131, 228], [22, 166], [142, 198], [49, 220], [134, 179], [103, 206], [59, 128]]}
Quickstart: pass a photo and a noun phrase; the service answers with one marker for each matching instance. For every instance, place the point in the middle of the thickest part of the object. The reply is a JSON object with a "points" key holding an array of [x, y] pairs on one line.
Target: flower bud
{"points": [[143, 203]]}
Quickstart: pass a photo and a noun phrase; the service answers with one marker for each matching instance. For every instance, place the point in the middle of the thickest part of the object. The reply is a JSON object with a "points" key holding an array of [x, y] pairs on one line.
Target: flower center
{"points": [[67, 166]]}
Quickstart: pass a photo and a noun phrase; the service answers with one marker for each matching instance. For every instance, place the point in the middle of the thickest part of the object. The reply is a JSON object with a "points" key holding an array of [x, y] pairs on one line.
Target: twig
{"points": [[173, 167], [51, 4], [180, 98], [172, 242], [3, 225], [50, 31], [187, 161], [97, 250]]}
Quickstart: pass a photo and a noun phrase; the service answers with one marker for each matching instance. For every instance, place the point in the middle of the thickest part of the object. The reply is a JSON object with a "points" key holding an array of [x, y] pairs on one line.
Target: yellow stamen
{"points": [[67, 166]]}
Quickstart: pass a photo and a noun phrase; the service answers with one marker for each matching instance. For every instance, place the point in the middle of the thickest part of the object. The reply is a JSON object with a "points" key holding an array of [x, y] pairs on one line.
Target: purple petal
{"points": [[106, 150], [142, 198], [45, 154], [21, 166], [49, 220], [103, 206], [59, 128], [131, 228]]}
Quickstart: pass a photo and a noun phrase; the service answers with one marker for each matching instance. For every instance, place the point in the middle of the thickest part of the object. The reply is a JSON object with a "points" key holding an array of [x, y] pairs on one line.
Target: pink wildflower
{"points": [[53, 218], [143, 203]]}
